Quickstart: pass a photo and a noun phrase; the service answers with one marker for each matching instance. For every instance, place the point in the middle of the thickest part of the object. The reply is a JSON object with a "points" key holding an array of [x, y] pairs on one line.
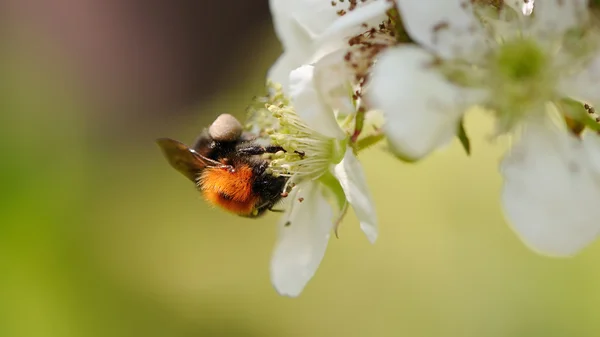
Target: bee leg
{"points": [[252, 150], [274, 149], [269, 205], [257, 149], [276, 210]]}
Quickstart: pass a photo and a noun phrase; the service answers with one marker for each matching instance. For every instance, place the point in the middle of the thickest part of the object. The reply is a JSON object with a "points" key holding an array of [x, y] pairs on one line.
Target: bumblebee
{"points": [[228, 167]]}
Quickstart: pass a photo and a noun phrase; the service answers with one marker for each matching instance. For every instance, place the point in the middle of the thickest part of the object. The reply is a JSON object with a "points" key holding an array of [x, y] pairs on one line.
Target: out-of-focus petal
{"points": [[350, 174], [550, 195], [309, 105], [422, 109], [304, 232], [281, 69], [291, 33], [370, 14], [591, 143], [556, 17], [584, 85], [447, 27], [315, 15]]}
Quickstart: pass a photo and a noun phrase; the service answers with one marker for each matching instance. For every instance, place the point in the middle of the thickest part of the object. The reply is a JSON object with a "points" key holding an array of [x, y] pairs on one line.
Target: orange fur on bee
{"points": [[230, 190]]}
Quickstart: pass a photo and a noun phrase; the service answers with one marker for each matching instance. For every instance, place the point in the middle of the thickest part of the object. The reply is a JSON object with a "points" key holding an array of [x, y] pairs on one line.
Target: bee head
{"points": [[225, 128]]}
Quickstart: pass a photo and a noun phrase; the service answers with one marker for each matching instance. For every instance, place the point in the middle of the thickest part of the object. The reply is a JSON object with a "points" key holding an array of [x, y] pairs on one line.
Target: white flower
{"points": [[304, 28], [515, 67], [324, 176], [552, 190], [422, 109]]}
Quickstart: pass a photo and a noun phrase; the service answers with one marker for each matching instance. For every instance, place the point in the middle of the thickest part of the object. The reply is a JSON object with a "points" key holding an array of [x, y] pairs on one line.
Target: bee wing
{"points": [[182, 158]]}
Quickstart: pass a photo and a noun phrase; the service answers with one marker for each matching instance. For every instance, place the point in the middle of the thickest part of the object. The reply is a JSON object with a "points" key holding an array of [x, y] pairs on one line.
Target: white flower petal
{"points": [[301, 26], [314, 15], [304, 232], [447, 27], [556, 17], [350, 174], [421, 108], [281, 69], [584, 85], [591, 143], [291, 33], [309, 105], [332, 80], [370, 13], [550, 195]]}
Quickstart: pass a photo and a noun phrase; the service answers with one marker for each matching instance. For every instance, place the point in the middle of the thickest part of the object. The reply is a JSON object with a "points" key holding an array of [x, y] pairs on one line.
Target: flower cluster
{"points": [[354, 73]]}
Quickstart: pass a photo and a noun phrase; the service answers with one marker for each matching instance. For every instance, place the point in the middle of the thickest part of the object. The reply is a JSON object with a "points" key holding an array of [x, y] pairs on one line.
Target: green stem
{"points": [[396, 20], [369, 141], [359, 123]]}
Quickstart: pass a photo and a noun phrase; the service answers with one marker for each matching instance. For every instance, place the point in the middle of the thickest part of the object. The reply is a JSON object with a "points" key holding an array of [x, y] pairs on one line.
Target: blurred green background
{"points": [[100, 237]]}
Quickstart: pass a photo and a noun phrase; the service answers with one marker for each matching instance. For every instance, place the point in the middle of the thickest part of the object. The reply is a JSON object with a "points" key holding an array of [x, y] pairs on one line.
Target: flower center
{"points": [[520, 60], [521, 79], [306, 153]]}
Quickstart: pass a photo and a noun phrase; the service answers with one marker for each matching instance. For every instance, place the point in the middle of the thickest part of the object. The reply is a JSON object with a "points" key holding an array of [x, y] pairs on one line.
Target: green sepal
{"points": [[396, 19], [334, 193], [464, 138], [575, 110], [368, 141], [333, 190]]}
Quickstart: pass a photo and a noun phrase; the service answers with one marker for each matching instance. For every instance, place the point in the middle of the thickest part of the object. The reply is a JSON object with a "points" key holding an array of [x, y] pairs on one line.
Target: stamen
{"points": [[362, 54], [306, 154], [352, 5]]}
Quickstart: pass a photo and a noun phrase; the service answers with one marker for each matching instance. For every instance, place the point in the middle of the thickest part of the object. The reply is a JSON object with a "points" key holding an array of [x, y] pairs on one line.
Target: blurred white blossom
{"points": [[552, 189], [514, 64]]}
